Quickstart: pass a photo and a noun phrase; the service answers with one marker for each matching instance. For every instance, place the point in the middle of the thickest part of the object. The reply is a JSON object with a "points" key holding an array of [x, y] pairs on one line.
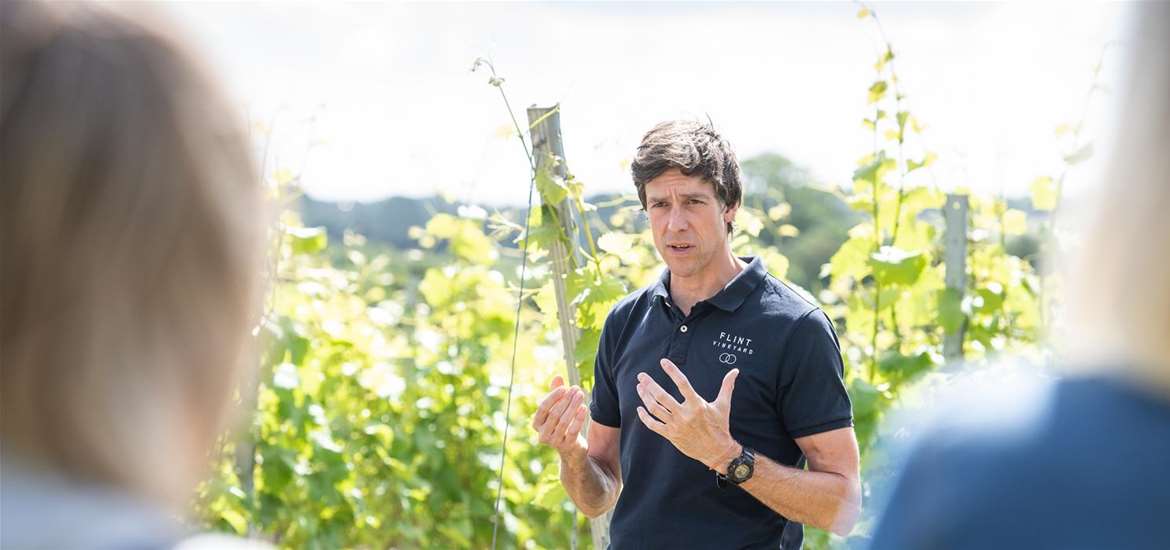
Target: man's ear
{"points": [[729, 213]]}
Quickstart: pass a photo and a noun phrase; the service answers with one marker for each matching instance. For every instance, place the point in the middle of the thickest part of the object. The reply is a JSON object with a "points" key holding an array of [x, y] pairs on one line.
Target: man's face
{"points": [[687, 220]]}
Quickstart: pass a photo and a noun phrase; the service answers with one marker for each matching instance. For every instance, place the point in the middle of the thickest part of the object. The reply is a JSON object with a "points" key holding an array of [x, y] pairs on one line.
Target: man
{"points": [[713, 386]]}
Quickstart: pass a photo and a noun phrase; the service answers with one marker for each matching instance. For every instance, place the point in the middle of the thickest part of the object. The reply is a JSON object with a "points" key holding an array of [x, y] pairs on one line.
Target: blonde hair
{"points": [[1119, 301], [132, 244]]}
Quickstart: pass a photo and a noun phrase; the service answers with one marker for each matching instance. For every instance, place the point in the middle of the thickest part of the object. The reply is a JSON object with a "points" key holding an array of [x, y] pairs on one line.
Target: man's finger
{"points": [[542, 411], [680, 379], [575, 399], [557, 382], [558, 407], [656, 393], [575, 424], [652, 404], [724, 398], [654, 425]]}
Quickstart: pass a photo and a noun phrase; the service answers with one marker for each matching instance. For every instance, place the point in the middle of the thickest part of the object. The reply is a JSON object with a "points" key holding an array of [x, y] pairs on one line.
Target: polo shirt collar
{"points": [[732, 296]]}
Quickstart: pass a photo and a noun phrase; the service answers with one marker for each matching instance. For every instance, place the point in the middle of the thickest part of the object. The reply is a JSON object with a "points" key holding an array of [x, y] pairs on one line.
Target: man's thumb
{"points": [[728, 387]]}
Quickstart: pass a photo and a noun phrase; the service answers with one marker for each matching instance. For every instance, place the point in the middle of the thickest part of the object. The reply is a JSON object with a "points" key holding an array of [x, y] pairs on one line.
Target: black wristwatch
{"points": [[739, 470]]}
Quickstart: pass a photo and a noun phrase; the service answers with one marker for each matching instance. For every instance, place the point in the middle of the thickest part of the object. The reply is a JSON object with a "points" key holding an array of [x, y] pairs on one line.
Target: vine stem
{"points": [[877, 243], [498, 83], [580, 204]]}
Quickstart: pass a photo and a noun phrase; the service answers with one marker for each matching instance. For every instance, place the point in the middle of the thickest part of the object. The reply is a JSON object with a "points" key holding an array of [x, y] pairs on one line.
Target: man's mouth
{"points": [[679, 247]]}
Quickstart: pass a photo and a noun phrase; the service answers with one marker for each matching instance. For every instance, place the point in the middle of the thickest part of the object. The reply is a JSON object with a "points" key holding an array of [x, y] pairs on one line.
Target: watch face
{"points": [[741, 471]]}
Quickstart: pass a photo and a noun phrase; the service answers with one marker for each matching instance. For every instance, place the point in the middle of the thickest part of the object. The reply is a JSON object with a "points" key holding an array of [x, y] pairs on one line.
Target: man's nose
{"points": [[677, 220]]}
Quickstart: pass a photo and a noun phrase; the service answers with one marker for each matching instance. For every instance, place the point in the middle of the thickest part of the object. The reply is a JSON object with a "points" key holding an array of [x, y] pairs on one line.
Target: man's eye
{"points": [[695, 201], [657, 205]]}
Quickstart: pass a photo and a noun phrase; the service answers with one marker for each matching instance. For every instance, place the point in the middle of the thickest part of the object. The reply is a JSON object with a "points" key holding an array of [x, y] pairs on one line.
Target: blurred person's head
{"points": [[1119, 292], [132, 239]]}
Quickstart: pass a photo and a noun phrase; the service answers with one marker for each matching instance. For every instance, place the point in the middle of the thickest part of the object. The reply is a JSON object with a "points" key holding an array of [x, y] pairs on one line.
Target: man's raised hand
{"points": [[696, 427], [559, 418]]}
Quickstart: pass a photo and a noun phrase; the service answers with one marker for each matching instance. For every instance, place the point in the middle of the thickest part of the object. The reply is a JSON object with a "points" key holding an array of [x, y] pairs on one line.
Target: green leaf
{"points": [[894, 265], [992, 298], [545, 230], [308, 240], [779, 211], [851, 259], [593, 297], [871, 171], [950, 310], [551, 495], [551, 187], [927, 160], [1044, 196], [905, 368], [749, 222], [1015, 222], [236, 520], [877, 91], [586, 350]]}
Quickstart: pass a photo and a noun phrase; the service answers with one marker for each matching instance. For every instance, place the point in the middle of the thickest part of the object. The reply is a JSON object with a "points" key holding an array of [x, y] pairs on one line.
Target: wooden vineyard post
{"points": [[955, 214], [545, 131]]}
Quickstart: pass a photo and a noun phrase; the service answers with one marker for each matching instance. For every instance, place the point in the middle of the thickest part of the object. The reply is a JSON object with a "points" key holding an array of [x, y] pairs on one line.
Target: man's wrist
{"points": [[575, 455], [719, 464]]}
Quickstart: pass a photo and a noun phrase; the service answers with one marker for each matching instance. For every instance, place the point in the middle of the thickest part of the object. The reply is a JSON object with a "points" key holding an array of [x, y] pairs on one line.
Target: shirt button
{"points": [[682, 328]]}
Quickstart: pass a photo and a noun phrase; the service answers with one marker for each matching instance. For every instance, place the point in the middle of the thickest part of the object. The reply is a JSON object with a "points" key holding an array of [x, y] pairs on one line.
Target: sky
{"points": [[367, 101]]}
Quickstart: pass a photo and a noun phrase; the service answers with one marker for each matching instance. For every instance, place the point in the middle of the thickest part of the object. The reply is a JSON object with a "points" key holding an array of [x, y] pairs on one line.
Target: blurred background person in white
{"points": [[133, 231], [1086, 467]]}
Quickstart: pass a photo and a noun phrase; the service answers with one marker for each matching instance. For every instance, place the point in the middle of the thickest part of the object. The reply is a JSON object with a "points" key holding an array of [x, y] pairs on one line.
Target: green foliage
{"points": [[379, 412]]}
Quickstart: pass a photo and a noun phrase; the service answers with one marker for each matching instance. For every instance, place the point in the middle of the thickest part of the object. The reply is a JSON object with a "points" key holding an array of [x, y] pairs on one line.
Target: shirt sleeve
{"points": [[604, 407], [813, 398]]}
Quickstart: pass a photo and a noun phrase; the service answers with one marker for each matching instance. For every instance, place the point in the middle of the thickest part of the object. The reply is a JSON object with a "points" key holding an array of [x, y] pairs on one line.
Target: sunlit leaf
{"points": [[307, 240], [894, 265], [950, 310], [1044, 196], [779, 211], [1015, 222], [877, 90]]}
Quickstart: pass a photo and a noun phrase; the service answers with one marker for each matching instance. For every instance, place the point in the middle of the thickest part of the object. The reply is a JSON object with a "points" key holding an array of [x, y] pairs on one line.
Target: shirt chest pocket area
{"points": [[753, 402]]}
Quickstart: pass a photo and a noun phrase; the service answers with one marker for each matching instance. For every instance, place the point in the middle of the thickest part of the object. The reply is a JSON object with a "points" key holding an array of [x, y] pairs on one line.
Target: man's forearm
{"points": [[591, 485], [824, 500]]}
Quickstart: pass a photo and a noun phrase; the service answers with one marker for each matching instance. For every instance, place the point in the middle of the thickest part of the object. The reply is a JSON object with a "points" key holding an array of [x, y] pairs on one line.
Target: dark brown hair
{"points": [[694, 148]]}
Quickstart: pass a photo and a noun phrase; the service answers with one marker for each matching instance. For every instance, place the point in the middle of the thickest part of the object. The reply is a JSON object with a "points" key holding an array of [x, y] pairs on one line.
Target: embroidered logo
{"points": [[731, 346]]}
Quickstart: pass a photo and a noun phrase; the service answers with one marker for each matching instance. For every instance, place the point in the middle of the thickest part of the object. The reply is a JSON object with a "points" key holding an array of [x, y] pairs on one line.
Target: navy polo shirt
{"points": [[790, 385]]}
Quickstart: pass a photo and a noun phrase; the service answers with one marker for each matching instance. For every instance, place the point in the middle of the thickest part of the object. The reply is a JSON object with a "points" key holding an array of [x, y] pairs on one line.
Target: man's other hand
{"points": [[696, 427], [559, 418]]}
